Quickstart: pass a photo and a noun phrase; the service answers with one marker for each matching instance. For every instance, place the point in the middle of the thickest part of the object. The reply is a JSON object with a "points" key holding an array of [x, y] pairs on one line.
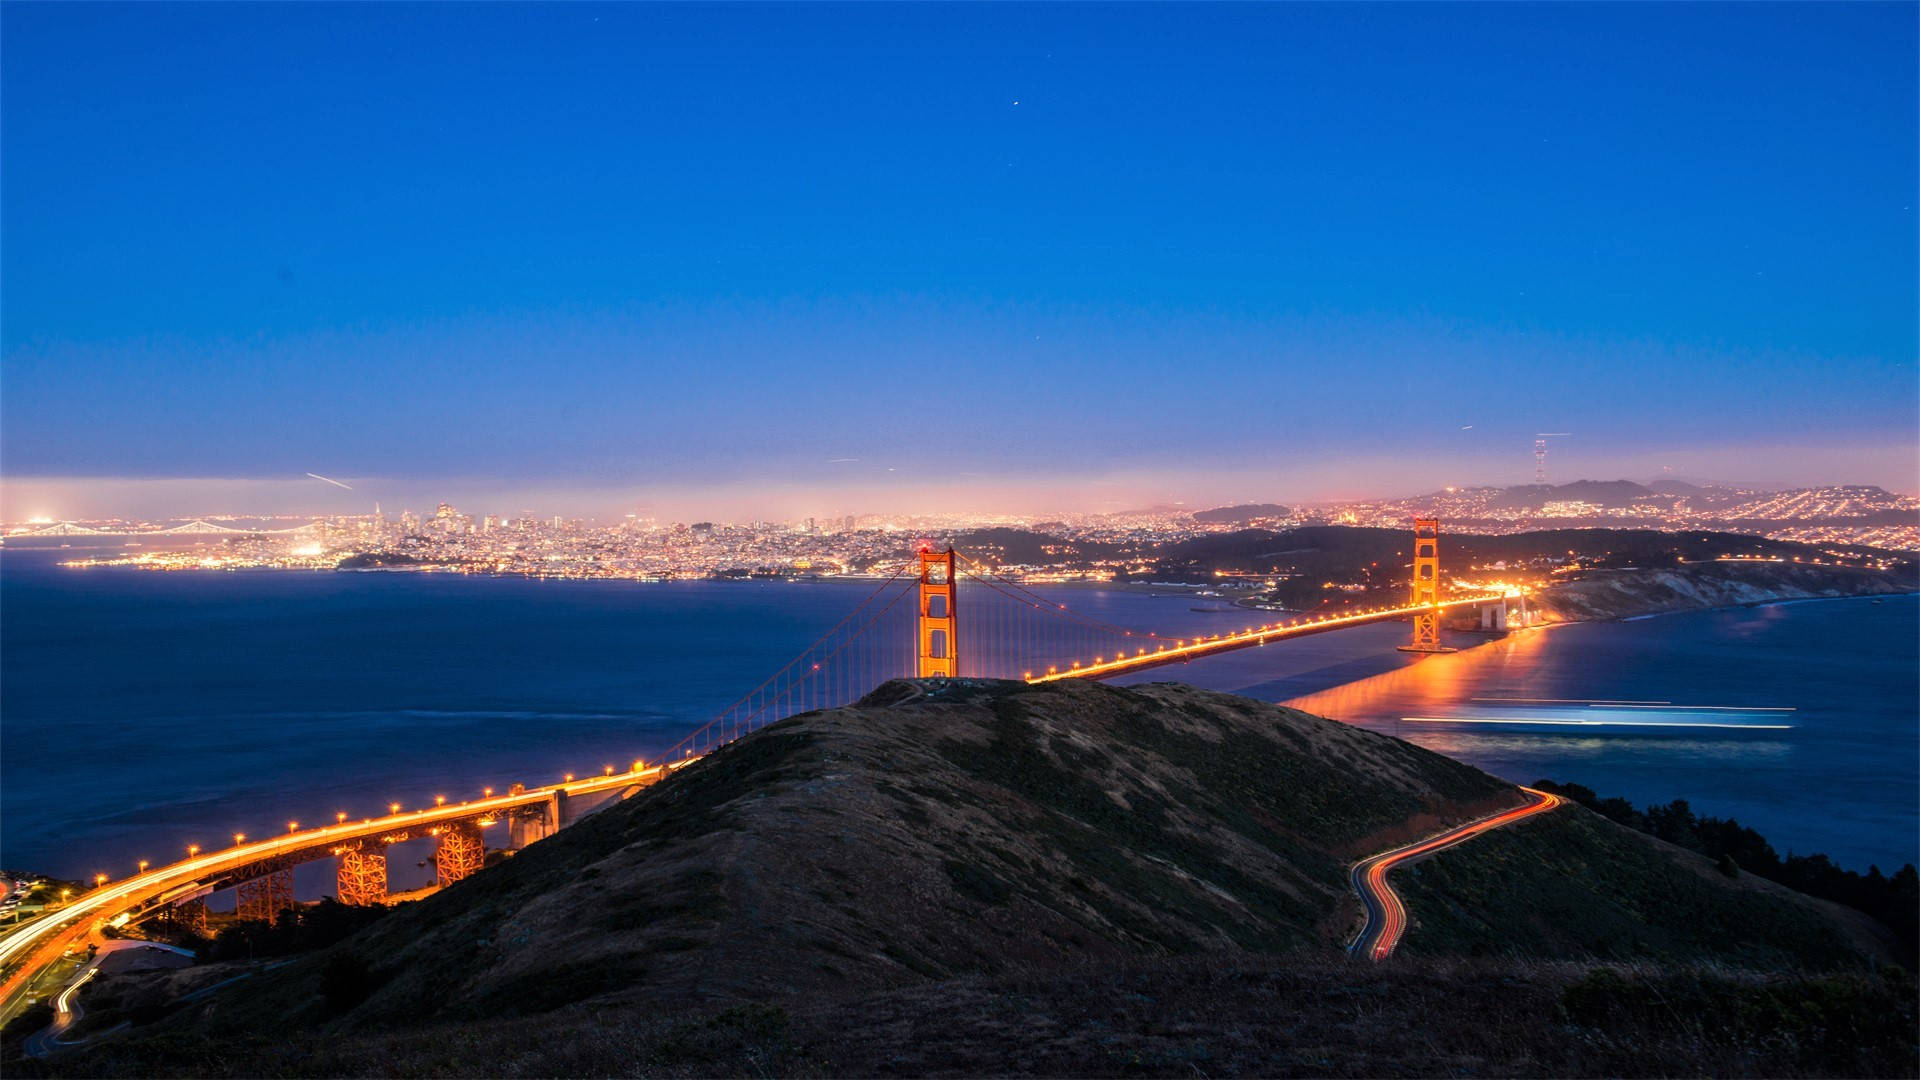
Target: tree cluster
{"points": [[297, 930]]}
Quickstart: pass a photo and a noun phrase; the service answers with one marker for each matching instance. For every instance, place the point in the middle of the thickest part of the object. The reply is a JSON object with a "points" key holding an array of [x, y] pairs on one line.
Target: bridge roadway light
{"points": [[567, 779], [99, 880], [439, 800], [340, 817], [142, 864], [393, 808], [239, 838], [486, 793], [192, 850], [293, 826]]}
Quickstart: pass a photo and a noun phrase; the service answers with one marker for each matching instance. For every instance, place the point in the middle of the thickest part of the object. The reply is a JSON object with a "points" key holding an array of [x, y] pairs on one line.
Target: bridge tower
{"points": [[1426, 587], [939, 651], [460, 853], [362, 876]]}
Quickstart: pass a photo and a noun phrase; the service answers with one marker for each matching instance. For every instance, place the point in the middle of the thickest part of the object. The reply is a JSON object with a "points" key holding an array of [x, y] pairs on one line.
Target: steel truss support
{"points": [[460, 853], [266, 896], [187, 916], [361, 879]]}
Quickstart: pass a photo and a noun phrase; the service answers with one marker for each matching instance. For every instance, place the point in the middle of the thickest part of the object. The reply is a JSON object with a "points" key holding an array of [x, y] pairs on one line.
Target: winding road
{"points": [[66, 1005], [1386, 915]]}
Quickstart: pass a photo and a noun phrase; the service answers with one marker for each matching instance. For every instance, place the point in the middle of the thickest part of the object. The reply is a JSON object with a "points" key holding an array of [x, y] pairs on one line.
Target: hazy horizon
{"points": [[79, 498]]}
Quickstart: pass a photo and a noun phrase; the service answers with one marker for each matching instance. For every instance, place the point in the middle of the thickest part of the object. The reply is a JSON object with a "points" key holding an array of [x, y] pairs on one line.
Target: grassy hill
{"points": [[939, 848]]}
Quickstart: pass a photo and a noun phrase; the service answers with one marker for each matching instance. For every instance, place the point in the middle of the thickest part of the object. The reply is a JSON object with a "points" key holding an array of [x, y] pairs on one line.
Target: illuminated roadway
{"points": [[1386, 916], [30, 949], [1182, 650]]}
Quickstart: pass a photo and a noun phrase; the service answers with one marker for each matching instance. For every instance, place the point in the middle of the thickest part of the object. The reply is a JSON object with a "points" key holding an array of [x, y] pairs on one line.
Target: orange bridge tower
{"points": [[1426, 587], [939, 650]]}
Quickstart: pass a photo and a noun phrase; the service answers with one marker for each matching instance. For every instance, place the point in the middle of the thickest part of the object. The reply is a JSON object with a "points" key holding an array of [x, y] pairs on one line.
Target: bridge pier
{"points": [[525, 824], [459, 854], [266, 896], [1494, 616], [361, 879]]}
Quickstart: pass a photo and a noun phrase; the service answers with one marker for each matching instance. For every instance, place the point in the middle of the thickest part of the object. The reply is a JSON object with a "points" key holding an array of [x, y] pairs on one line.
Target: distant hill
{"points": [[1668, 485], [1608, 493], [943, 845], [1319, 552], [1611, 594], [1238, 515], [1025, 547]]}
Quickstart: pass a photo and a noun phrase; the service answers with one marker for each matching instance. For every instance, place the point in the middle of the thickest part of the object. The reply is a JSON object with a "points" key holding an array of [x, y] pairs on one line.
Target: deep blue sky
{"points": [[1261, 250]]}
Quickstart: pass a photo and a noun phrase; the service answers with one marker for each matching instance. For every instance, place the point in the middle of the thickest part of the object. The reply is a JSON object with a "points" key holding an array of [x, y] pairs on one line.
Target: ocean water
{"points": [[141, 711], [1799, 719]]}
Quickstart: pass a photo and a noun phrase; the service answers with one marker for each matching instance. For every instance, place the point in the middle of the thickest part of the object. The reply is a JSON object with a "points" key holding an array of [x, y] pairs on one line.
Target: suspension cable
{"points": [[1028, 596], [694, 736]]}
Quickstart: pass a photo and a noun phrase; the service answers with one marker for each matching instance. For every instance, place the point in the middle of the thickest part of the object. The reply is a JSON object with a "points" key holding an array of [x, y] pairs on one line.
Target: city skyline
{"points": [[1006, 258]]}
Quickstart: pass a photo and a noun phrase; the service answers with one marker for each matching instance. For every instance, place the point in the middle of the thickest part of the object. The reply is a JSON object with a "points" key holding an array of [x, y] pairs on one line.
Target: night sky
{"points": [[838, 259]]}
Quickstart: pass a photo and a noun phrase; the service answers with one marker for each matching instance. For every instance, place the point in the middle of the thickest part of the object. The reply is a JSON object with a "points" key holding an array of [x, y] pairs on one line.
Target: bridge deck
{"points": [[1182, 651], [43, 939]]}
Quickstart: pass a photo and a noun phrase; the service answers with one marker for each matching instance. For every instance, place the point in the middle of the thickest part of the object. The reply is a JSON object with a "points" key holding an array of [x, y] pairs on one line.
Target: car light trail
{"points": [[1678, 724], [1386, 916]]}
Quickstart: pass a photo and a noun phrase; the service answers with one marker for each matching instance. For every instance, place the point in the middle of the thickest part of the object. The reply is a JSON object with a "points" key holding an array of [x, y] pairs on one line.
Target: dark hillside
{"points": [[1528, 891], [935, 830], [941, 837]]}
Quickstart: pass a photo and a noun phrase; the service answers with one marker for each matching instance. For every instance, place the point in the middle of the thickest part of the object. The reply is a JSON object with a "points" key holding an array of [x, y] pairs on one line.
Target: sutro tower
{"points": [[1540, 453]]}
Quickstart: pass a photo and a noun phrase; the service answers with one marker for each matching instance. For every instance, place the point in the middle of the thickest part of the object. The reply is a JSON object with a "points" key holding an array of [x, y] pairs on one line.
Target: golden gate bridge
{"points": [[1006, 630], [912, 624]]}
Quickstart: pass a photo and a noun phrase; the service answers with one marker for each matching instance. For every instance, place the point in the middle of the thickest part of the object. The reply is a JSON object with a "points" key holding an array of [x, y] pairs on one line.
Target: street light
{"points": [[393, 808], [239, 838], [486, 793], [143, 866], [99, 880], [439, 800], [192, 850], [340, 816], [293, 826]]}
